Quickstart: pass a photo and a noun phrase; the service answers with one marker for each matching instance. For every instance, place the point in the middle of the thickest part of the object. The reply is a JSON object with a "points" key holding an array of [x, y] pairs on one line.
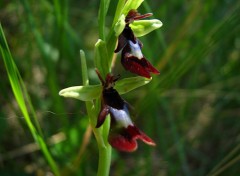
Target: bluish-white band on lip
{"points": [[121, 116], [136, 49]]}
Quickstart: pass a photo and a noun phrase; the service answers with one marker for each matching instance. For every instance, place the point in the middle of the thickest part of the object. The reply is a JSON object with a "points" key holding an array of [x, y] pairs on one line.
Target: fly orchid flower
{"points": [[132, 58], [123, 133]]}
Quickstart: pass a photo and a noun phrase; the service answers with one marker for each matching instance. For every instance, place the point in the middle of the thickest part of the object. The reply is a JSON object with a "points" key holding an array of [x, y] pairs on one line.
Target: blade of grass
{"points": [[61, 11], [50, 66], [20, 92], [217, 169], [158, 32], [227, 165], [179, 144], [215, 35]]}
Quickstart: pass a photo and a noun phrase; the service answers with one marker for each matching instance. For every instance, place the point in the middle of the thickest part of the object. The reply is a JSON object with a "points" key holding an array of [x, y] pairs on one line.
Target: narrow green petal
{"points": [[84, 93], [143, 27], [127, 84]]}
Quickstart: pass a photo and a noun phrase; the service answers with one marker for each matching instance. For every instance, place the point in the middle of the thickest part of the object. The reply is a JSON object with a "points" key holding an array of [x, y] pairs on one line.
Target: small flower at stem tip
{"points": [[132, 58]]}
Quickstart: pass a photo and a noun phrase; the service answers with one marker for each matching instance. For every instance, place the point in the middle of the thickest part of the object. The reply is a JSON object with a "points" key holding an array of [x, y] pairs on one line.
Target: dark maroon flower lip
{"points": [[123, 134], [132, 58], [125, 139]]}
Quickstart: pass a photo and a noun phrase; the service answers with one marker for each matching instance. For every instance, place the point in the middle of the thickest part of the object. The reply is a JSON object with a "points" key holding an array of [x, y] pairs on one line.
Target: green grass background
{"points": [[191, 110]]}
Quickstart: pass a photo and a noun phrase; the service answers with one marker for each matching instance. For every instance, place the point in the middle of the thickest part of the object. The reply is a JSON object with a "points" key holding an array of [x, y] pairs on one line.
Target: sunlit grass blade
{"points": [[19, 93]]}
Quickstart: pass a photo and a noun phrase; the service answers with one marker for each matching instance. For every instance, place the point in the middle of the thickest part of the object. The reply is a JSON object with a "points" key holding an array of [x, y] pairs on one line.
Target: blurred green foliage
{"points": [[191, 110]]}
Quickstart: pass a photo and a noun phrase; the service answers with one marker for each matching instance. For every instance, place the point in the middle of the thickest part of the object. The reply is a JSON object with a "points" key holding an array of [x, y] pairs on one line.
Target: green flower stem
{"points": [[101, 134], [105, 161]]}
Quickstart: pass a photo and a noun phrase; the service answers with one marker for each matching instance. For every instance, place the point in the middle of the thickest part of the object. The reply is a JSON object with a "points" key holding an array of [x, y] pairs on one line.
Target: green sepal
{"points": [[101, 58], [84, 93], [127, 84], [89, 93], [131, 4], [143, 27], [84, 68], [120, 25]]}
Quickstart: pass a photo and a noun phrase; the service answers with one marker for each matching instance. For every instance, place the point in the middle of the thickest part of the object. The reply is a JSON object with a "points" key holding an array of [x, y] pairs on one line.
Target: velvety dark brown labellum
{"points": [[125, 139], [133, 60], [123, 134]]}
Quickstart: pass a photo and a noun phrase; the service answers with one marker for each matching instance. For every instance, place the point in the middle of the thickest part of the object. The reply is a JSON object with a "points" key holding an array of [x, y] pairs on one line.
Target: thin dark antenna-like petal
{"points": [[122, 41], [102, 115]]}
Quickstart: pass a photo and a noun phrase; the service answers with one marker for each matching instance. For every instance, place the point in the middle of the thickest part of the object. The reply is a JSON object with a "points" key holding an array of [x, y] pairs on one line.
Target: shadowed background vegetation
{"points": [[191, 110]]}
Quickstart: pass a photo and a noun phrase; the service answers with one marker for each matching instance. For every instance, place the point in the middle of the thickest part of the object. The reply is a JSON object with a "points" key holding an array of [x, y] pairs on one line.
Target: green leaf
{"points": [[127, 84], [143, 27], [84, 93]]}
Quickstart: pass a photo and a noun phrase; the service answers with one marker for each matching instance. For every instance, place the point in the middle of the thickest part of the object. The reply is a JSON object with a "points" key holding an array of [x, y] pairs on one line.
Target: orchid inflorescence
{"points": [[123, 134]]}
